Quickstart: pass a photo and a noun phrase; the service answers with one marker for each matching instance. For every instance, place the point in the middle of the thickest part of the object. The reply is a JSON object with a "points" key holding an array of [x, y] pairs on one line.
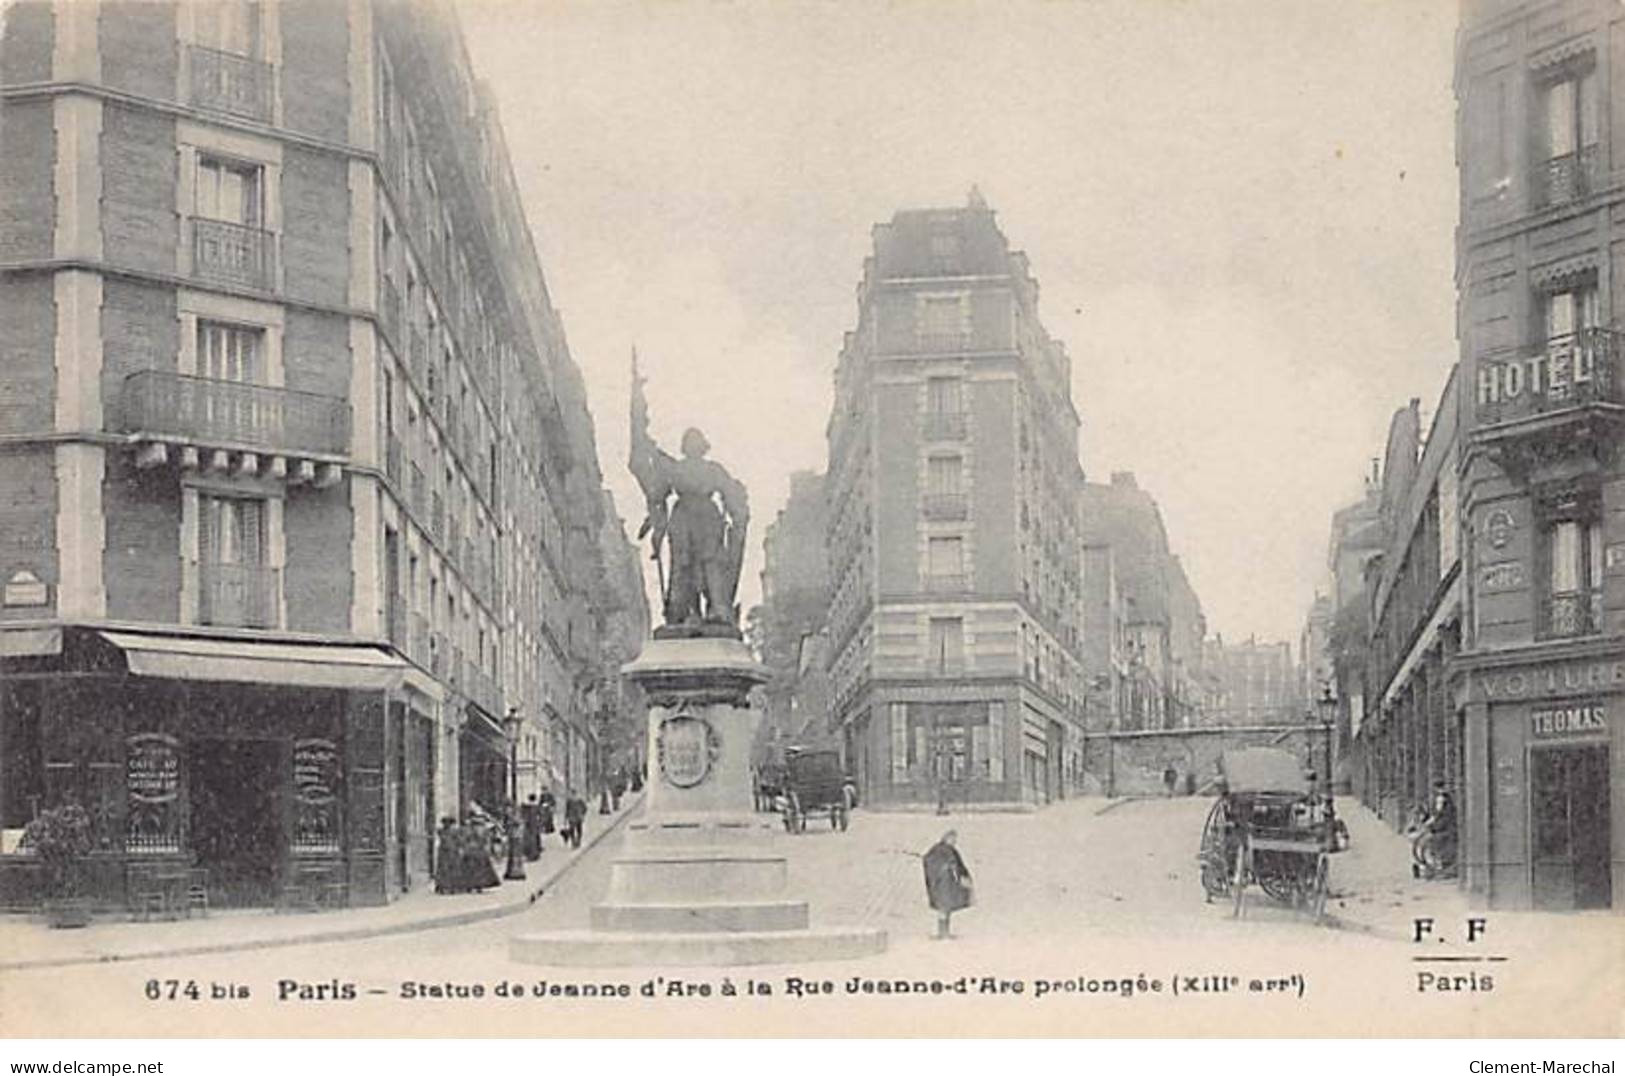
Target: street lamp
{"points": [[1326, 706], [516, 863]]}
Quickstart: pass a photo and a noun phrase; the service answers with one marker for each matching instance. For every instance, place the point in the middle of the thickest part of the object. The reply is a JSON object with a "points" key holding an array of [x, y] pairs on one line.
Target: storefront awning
{"points": [[357, 668]]}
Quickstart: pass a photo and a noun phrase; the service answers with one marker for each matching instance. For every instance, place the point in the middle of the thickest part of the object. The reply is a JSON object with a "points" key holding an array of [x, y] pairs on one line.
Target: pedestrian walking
{"points": [[1170, 778], [530, 816], [448, 857], [617, 787], [545, 806], [947, 881], [575, 813]]}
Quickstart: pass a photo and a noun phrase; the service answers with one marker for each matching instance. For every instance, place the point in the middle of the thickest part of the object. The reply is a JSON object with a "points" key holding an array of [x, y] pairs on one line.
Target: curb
{"points": [[338, 934]]}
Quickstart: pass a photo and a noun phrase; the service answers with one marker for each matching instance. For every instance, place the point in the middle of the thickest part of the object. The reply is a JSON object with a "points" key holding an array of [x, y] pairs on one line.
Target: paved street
{"points": [[1072, 891]]}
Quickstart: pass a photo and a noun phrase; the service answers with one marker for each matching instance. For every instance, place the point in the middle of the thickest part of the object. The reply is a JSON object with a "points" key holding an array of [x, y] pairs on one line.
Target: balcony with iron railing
{"points": [[230, 82], [1566, 178], [1571, 614], [944, 426], [940, 343], [238, 595], [159, 404], [945, 506], [225, 252], [945, 583], [1566, 373]]}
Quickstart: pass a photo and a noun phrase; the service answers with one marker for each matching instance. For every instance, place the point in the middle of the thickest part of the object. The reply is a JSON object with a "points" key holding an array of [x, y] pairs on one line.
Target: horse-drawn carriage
{"points": [[814, 783], [1270, 827]]}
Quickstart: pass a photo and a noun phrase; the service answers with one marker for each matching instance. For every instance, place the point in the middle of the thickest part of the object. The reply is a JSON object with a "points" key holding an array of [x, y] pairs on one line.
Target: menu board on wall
{"points": [[315, 770], [152, 768]]}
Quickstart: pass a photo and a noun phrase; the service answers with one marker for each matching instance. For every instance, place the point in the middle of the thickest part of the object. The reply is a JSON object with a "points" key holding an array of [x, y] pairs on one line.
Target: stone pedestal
{"points": [[698, 881]]}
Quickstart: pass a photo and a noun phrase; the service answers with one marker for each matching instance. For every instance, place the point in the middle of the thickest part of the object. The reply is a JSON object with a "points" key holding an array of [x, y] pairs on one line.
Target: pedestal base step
{"points": [[697, 918], [587, 948]]}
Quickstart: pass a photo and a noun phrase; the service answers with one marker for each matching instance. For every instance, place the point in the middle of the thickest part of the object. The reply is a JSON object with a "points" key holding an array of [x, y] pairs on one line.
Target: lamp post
{"points": [[1326, 706], [516, 863]]}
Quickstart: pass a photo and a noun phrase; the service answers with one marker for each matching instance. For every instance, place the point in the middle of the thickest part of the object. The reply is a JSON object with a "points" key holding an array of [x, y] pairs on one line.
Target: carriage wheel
{"points": [[1244, 856], [1215, 870], [1317, 899], [834, 818]]}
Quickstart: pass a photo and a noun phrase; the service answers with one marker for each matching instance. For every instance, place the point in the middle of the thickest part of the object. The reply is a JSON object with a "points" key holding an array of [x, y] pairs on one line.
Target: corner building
{"points": [[1541, 287], [283, 457], [954, 543]]}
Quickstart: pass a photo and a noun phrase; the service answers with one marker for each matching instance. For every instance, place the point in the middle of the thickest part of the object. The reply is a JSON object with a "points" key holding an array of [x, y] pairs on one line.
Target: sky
{"points": [[1240, 214]]}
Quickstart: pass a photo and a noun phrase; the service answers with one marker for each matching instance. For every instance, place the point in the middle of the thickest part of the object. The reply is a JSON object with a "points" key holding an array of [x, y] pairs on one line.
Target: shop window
{"points": [[22, 761], [154, 818]]}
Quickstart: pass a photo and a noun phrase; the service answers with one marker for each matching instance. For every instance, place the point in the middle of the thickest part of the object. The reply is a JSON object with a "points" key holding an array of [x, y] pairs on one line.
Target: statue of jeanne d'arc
{"points": [[705, 528]]}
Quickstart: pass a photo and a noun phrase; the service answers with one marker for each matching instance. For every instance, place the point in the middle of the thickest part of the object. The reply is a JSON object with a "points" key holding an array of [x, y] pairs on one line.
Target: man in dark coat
{"points": [[530, 816], [947, 881], [545, 806], [575, 813], [448, 857]]}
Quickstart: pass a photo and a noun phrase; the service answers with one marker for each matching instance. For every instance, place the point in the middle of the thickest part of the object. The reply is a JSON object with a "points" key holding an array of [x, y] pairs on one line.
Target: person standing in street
{"points": [[947, 881], [575, 813], [617, 787], [530, 816]]}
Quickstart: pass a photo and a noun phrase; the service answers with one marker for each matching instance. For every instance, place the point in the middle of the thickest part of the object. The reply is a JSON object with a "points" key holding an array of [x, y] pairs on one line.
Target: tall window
{"points": [[229, 191], [1571, 135], [236, 588], [230, 25], [945, 559], [1570, 352], [944, 395], [943, 475], [229, 352], [1572, 542]]}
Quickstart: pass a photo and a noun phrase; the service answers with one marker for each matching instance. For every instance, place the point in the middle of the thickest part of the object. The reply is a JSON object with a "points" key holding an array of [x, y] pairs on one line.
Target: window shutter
{"points": [[995, 741], [252, 515], [899, 743]]}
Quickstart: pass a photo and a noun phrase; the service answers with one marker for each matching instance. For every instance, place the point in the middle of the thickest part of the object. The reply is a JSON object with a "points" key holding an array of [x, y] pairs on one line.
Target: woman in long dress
{"points": [[947, 881]]}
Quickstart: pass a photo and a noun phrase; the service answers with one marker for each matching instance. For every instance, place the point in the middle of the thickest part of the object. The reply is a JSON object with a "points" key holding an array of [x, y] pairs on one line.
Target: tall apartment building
{"points": [[795, 605], [1541, 288], [1162, 684], [955, 559], [1258, 683], [288, 443], [1410, 737]]}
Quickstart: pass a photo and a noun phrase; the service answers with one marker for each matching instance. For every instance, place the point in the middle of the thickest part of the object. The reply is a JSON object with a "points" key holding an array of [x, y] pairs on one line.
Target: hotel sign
{"points": [[1565, 721], [1563, 678]]}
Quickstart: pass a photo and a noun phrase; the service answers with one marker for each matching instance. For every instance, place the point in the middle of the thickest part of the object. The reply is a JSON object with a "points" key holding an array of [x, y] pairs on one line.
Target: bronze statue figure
{"points": [[705, 528]]}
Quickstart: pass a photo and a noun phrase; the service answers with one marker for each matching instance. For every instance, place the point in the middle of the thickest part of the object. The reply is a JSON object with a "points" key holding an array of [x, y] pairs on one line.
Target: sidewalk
{"points": [[25, 942], [1372, 890]]}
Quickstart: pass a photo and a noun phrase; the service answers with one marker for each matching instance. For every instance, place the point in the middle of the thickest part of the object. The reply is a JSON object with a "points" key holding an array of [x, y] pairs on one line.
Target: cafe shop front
{"points": [[1543, 824], [260, 770]]}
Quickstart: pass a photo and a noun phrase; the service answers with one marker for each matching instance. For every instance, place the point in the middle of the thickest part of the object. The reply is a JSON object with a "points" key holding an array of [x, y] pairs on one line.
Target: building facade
{"points": [[1409, 736], [1541, 284], [954, 534], [795, 606], [1258, 683], [285, 450]]}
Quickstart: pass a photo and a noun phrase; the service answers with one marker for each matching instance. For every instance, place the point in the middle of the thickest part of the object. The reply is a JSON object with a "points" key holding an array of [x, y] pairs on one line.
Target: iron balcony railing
{"points": [[238, 595], [230, 253], [230, 82], [945, 506], [1568, 177], [1564, 372], [158, 403], [940, 583], [1566, 615], [945, 425], [932, 343]]}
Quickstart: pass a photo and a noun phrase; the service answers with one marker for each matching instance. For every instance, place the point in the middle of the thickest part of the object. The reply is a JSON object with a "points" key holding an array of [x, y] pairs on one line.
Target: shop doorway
{"points": [[1570, 828], [236, 817]]}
